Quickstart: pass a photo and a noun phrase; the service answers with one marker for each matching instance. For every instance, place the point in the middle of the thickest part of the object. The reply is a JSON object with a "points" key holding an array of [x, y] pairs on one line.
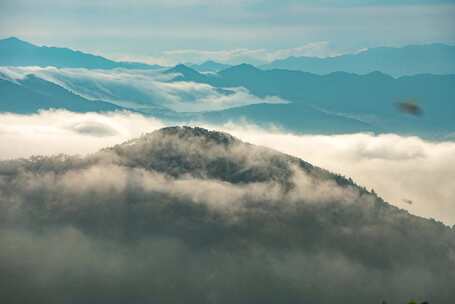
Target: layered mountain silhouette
{"points": [[337, 102], [334, 103], [372, 99], [408, 60], [32, 94], [16, 52], [196, 216]]}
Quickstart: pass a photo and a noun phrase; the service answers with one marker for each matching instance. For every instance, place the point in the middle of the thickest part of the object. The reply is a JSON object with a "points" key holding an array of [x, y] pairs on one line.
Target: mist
{"points": [[188, 215], [140, 89], [409, 172]]}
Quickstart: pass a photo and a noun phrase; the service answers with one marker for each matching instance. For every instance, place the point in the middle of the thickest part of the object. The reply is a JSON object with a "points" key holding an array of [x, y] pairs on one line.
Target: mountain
{"points": [[290, 116], [183, 71], [31, 94], [16, 52], [372, 99], [408, 60], [210, 66], [196, 216], [293, 116]]}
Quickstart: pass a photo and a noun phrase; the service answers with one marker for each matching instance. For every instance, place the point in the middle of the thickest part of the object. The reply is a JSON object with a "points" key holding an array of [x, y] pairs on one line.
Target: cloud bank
{"points": [[185, 215], [140, 89], [400, 169]]}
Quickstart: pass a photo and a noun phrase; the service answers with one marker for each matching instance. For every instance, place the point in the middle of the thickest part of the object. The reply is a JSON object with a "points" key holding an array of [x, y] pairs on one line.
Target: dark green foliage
{"points": [[176, 217]]}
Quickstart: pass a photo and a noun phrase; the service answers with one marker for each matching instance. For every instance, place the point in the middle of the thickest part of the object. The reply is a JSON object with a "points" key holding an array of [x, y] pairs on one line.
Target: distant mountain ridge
{"points": [[32, 94], [409, 60], [330, 104], [16, 52], [436, 58], [371, 99], [352, 100]]}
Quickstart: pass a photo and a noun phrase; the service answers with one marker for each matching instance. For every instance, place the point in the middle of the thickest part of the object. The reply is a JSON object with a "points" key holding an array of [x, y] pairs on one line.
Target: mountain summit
{"points": [[190, 215], [14, 42], [210, 66], [16, 52]]}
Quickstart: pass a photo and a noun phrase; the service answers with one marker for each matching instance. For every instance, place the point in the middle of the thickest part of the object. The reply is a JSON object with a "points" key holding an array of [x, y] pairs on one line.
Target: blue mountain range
{"points": [[32, 94], [408, 60], [336, 102], [210, 66], [16, 52], [372, 100]]}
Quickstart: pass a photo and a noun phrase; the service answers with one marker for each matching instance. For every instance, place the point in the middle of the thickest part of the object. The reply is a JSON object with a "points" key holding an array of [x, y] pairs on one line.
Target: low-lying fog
{"points": [[409, 172]]}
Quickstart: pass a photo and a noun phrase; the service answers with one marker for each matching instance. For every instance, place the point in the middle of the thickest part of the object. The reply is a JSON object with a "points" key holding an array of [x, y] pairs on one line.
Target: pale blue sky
{"points": [[226, 30]]}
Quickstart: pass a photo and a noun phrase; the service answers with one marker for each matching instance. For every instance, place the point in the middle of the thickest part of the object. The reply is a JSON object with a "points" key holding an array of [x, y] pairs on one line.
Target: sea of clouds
{"points": [[409, 172], [184, 215], [141, 89]]}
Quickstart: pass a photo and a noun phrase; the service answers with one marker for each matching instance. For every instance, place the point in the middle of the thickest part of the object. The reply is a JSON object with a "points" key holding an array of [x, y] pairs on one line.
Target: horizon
{"points": [[250, 31], [211, 60]]}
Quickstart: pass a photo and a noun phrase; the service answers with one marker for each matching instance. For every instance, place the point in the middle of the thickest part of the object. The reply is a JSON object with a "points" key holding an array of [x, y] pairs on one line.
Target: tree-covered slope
{"points": [[196, 216]]}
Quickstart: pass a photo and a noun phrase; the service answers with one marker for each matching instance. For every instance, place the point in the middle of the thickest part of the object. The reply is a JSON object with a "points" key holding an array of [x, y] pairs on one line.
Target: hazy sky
{"points": [[229, 30]]}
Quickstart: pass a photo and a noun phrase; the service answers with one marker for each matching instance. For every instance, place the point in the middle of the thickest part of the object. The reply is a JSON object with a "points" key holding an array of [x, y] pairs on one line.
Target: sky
{"points": [[233, 31]]}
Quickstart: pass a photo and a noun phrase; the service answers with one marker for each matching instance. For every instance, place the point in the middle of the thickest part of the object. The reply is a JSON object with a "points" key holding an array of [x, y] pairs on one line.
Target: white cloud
{"points": [[400, 169], [54, 132], [140, 89], [241, 55], [152, 27]]}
